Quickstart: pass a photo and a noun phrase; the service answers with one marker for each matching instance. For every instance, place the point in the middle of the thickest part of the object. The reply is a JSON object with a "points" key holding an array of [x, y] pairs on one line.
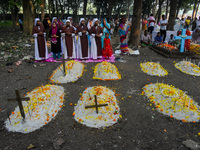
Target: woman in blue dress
{"points": [[106, 29]]}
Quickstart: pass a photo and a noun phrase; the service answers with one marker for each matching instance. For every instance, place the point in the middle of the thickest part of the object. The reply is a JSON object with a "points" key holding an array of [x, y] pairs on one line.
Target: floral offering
{"points": [[153, 69], [107, 115], [43, 106], [74, 70], [106, 71], [172, 102], [188, 68]]}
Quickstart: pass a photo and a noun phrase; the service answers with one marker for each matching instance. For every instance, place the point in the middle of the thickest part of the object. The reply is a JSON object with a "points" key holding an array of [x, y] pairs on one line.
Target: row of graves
{"points": [[98, 106]]}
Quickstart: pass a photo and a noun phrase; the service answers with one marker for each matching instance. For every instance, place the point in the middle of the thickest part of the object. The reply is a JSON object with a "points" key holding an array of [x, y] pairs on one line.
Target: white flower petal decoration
{"points": [[172, 102], [188, 68], [74, 71], [106, 71], [106, 116], [43, 106], [153, 69]]}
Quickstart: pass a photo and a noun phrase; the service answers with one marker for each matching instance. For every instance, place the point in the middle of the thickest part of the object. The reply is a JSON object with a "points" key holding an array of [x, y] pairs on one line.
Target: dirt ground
{"points": [[140, 128]]}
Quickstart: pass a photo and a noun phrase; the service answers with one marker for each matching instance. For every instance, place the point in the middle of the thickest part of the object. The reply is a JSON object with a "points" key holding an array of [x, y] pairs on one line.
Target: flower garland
{"points": [[167, 46], [43, 106], [107, 116], [74, 70], [188, 68], [195, 48], [153, 69], [106, 71], [172, 102]]}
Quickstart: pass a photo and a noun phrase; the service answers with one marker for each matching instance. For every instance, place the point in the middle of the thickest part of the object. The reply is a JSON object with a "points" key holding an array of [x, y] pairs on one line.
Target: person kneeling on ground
{"points": [[158, 39], [146, 39]]}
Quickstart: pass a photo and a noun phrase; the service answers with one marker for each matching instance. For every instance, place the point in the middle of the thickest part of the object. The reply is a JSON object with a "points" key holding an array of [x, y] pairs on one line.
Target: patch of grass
{"points": [[6, 24]]}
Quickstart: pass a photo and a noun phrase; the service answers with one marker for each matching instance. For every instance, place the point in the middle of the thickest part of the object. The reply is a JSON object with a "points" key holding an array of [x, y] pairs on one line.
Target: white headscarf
{"points": [[88, 24], [94, 20], [68, 21], [81, 20], [53, 19], [36, 19], [68, 18]]}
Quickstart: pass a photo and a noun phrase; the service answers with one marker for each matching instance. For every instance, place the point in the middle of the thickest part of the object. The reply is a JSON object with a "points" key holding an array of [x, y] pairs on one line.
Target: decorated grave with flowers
{"points": [[188, 67], [43, 106], [172, 102], [177, 50], [71, 72], [153, 69], [106, 71], [97, 107]]}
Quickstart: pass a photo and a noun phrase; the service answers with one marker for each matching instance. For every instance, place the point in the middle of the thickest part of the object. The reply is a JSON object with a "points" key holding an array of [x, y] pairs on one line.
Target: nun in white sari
{"points": [[41, 51], [96, 45], [82, 42], [68, 41]]}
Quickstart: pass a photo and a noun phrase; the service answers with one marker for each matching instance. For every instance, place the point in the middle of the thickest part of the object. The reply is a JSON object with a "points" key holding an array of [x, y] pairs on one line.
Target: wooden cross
{"points": [[19, 100], [96, 105], [63, 61]]}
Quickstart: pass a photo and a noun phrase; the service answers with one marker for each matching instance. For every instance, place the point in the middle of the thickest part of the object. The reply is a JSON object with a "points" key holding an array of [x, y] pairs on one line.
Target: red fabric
{"points": [[187, 42], [107, 49]]}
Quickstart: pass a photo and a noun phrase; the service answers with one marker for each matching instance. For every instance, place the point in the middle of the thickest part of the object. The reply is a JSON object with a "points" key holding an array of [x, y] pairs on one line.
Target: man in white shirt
{"points": [[163, 27]]}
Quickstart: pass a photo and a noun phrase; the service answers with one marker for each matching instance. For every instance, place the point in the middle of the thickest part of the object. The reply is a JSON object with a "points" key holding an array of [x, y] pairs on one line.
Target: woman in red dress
{"points": [[107, 49]]}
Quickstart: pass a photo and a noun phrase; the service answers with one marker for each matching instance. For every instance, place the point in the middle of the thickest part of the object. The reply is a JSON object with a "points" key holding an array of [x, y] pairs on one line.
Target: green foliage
{"points": [[6, 24]]}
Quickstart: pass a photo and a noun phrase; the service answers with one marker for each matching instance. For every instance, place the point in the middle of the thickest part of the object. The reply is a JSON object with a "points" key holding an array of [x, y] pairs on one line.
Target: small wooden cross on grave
{"points": [[182, 37], [19, 100], [96, 105], [63, 62]]}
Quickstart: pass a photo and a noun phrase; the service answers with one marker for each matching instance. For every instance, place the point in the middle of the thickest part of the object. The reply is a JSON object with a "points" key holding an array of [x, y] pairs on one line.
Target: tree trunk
{"points": [[110, 8], [159, 11], [13, 16], [154, 9], [49, 7], [42, 9], [194, 10], [167, 7], [84, 8], [172, 14], [27, 17], [57, 10], [178, 8], [98, 11], [135, 29], [184, 11], [197, 9], [53, 8]]}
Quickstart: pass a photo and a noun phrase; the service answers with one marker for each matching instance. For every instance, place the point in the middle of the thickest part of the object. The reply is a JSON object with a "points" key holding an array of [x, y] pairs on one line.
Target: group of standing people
{"points": [[91, 41]]}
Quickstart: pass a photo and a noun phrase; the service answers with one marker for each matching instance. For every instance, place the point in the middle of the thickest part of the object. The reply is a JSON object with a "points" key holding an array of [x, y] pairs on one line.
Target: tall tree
{"points": [[42, 4], [27, 17], [135, 30], [172, 14], [194, 9], [158, 14], [84, 8], [167, 7], [49, 7]]}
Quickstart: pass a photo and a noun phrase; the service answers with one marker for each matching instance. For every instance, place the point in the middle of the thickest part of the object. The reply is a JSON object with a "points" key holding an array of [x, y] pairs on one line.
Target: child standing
{"points": [[107, 49], [54, 34]]}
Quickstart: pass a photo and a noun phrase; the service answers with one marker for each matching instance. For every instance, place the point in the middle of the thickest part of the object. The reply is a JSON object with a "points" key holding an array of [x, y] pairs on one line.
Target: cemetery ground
{"points": [[140, 127]]}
